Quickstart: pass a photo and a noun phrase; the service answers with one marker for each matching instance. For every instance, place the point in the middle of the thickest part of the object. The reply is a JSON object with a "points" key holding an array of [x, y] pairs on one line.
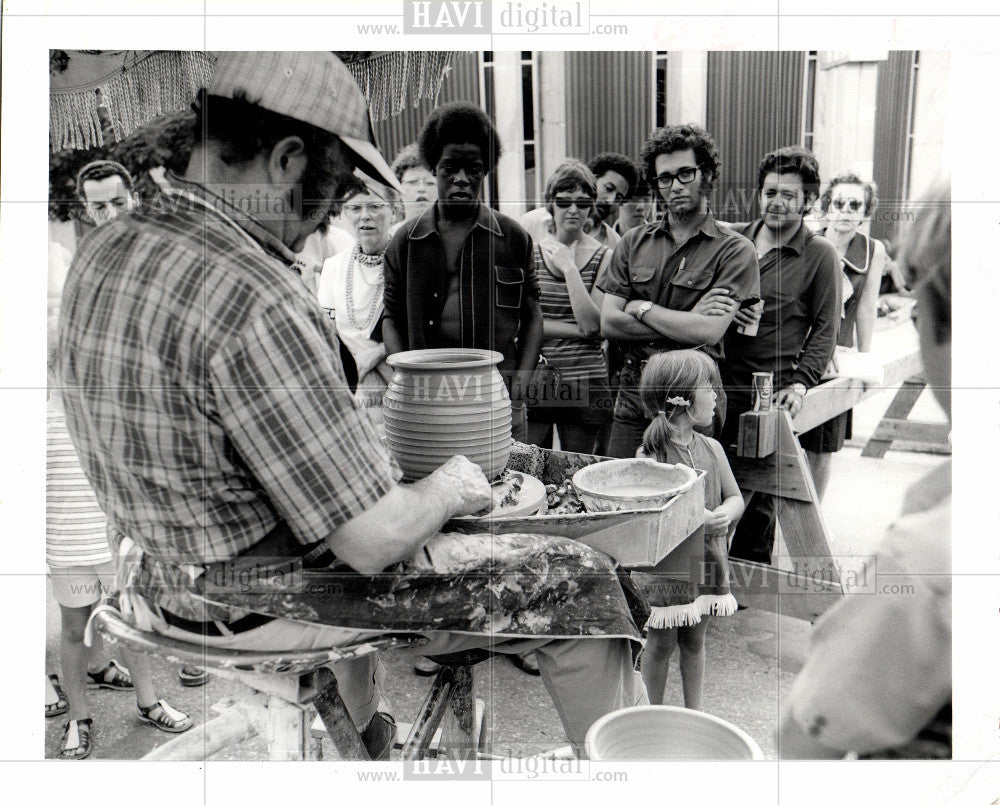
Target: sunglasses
{"points": [[851, 204], [684, 176], [584, 203]]}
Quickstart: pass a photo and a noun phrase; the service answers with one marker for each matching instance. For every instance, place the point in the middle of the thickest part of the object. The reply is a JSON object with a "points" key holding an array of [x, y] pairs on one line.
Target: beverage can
{"points": [[750, 330], [763, 385]]}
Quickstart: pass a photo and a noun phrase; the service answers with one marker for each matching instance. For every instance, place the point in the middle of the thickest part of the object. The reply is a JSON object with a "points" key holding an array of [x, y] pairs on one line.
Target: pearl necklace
{"points": [[359, 259]]}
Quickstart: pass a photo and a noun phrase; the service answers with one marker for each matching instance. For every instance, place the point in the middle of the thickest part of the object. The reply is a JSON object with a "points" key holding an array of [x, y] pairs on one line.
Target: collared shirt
{"points": [[204, 391], [495, 283], [650, 265], [800, 286]]}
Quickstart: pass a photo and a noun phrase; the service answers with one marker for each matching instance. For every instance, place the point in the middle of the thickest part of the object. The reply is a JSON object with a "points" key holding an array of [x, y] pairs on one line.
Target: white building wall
{"points": [[930, 121], [844, 120]]}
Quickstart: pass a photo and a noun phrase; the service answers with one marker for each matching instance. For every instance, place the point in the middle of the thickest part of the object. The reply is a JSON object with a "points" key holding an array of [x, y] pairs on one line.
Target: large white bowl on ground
{"points": [[660, 732], [631, 484]]}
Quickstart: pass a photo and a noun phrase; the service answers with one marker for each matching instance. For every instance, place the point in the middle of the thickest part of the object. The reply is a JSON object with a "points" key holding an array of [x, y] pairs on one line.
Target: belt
{"points": [[215, 628]]}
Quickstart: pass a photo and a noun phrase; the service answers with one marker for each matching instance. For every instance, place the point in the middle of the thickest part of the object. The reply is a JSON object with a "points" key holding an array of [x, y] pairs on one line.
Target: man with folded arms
{"points": [[205, 396]]}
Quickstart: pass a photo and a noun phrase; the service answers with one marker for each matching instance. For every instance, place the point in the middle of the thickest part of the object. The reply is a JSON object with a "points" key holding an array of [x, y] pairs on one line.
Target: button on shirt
{"points": [[650, 265], [800, 286], [204, 391]]}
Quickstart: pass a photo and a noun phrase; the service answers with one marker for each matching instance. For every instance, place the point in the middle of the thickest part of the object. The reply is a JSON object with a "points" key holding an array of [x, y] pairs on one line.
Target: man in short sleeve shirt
{"points": [[660, 272]]}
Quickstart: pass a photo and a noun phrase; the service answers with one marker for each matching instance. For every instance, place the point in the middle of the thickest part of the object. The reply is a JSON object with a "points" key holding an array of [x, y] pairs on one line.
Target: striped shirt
{"points": [[76, 531], [576, 358], [204, 390]]}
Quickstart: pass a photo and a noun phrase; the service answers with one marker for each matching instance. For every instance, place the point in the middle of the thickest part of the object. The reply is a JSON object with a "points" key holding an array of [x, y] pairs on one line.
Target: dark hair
{"points": [[457, 123], [870, 188], [619, 163], [407, 158], [102, 169], [671, 139], [925, 256], [242, 130], [792, 159]]}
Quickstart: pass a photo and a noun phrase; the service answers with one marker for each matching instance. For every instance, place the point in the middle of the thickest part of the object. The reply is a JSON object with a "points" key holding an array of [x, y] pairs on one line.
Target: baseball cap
{"points": [[312, 86]]}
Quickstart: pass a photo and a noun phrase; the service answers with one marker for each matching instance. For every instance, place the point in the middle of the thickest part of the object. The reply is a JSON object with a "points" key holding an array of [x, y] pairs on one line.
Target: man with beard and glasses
{"points": [[797, 330], [461, 275], [661, 271]]}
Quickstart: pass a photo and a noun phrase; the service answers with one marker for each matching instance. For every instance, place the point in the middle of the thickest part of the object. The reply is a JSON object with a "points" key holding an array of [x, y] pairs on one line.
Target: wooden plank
{"points": [[829, 399], [912, 430], [778, 474], [764, 587], [900, 407]]}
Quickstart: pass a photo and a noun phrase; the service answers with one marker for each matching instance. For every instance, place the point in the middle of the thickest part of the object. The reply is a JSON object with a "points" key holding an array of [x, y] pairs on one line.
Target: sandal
{"points": [[113, 677], [61, 704], [76, 740], [164, 717]]}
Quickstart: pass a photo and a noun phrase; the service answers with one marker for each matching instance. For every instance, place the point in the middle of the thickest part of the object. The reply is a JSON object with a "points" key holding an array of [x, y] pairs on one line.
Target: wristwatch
{"points": [[644, 308], [799, 388]]}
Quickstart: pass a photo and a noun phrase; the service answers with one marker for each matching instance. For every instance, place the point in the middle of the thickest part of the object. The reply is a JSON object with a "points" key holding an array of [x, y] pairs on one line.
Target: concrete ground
{"points": [[752, 656]]}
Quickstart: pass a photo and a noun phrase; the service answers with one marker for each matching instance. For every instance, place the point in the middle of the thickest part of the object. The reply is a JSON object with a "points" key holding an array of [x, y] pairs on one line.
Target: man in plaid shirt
{"points": [[204, 391]]}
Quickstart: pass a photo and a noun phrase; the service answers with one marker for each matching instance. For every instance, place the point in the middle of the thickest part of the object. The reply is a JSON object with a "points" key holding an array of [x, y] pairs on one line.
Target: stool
{"points": [[285, 684]]}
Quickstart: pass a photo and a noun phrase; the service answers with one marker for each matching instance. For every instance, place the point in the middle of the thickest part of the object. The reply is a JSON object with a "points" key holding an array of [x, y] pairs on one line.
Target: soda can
{"points": [[763, 384]]}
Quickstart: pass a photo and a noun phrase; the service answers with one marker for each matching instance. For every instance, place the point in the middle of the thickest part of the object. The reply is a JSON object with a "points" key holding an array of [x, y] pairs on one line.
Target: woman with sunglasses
{"points": [[849, 202], [351, 289], [569, 392]]}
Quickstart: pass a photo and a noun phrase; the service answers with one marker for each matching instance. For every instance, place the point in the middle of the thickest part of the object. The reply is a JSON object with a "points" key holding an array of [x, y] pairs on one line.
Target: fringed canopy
{"points": [[136, 86]]}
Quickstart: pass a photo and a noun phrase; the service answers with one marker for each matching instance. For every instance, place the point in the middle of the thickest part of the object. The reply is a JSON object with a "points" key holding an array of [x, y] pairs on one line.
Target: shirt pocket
{"points": [[510, 286], [642, 272], [693, 278]]}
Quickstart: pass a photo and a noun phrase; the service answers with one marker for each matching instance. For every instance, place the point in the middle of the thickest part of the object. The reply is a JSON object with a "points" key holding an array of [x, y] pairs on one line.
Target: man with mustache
{"points": [[461, 274], [662, 270], [800, 286]]}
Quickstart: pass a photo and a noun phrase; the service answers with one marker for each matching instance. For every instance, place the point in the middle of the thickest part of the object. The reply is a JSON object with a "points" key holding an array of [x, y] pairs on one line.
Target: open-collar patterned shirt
{"points": [[204, 391]]}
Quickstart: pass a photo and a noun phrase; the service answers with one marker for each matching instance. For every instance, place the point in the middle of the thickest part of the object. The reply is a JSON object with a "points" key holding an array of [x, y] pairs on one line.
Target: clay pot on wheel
{"points": [[446, 402]]}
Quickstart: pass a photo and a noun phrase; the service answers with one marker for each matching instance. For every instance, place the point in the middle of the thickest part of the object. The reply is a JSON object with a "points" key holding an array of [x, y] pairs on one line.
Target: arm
{"points": [[619, 325], [560, 260], [393, 303], [731, 509], [401, 521], [868, 304], [825, 306], [686, 327], [529, 335]]}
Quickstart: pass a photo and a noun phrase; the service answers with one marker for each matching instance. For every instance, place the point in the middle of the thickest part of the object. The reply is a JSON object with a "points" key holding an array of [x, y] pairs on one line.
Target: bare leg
{"points": [[142, 676], [819, 464], [655, 662], [691, 640], [73, 656]]}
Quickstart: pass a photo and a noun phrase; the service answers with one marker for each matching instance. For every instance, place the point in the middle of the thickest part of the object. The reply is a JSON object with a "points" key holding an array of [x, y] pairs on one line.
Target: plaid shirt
{"points": [[204, 391]]}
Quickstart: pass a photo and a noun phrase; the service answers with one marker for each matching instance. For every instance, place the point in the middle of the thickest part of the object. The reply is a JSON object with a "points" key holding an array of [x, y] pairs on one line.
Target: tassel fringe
{"points": [[689, 614]]}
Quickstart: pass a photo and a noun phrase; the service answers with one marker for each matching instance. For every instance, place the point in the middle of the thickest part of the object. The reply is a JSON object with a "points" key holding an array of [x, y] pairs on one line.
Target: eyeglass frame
{"points": [[662, 185], [852, 204], [371, 207]]}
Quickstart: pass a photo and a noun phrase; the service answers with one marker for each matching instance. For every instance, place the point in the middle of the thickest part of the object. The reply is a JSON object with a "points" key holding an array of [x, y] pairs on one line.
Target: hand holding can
{"points": [[748, 316]]}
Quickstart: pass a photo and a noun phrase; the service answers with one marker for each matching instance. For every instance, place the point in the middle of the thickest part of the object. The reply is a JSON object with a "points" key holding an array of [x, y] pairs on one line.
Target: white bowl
{"points": [[631, 484], [660, 732]]}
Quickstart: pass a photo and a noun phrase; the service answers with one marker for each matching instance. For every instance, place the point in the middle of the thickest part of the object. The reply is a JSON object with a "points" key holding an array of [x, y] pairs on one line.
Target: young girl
{"points": [[677, 392]]}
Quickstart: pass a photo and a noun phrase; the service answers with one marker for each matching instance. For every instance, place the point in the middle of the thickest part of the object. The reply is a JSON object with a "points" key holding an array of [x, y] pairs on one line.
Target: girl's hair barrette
{"points": [[678, 401]]}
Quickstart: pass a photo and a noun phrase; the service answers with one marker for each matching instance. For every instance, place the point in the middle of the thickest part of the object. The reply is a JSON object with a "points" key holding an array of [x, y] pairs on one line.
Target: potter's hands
{"points": [[461, 486], [716, 302], [717, 522]]}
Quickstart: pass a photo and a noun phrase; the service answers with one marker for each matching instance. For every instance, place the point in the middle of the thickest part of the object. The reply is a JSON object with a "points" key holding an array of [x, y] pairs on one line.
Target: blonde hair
{"points": [[667, 388]]}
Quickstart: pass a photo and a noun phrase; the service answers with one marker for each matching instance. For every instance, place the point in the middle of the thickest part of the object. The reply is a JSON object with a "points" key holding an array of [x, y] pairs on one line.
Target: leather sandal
{"points": [[61, 704], [77, 743], [164, 717], [112, 677]]}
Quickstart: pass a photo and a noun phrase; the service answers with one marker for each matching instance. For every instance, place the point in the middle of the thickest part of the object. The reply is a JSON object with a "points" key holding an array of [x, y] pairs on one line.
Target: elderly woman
{"points": [[570, 390], [848, 202], [877, 678], [351, 288]]}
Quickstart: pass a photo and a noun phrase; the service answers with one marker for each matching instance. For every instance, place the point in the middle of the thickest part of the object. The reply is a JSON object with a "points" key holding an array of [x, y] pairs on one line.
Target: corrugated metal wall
{"points": [[607, 102], [893, 95], [754, 106], [460, 84]]}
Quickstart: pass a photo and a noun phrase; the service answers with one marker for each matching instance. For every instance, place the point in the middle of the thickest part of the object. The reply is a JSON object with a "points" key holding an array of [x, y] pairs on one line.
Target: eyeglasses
{"points": [[371, 207], [684, 176], [850, 204], [426, 182], [583, 204]]}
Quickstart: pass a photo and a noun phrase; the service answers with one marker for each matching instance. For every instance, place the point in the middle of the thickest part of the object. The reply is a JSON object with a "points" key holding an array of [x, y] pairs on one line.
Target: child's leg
{"points": [[656, 662], [142, 676], [73, 656], [691, 640]]}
